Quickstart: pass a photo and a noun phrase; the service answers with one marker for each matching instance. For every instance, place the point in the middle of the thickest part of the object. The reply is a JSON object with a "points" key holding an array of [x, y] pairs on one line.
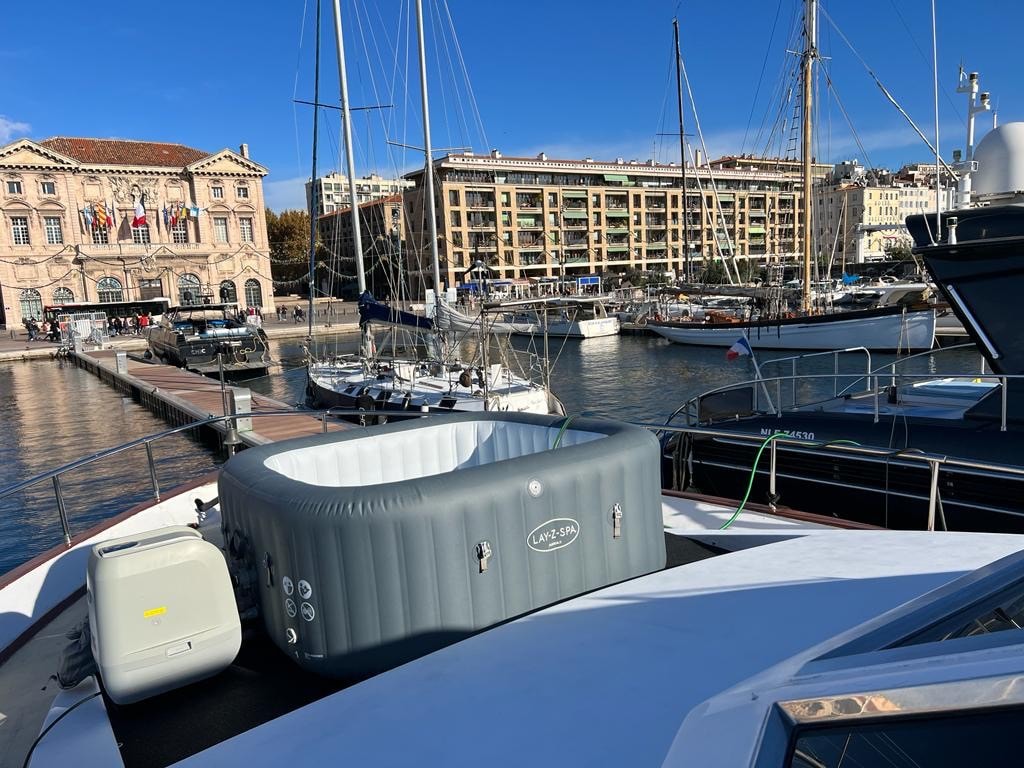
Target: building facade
{"points": [[861, 214], [385, 257], [68, 209], [541, 218], [333, 192]]}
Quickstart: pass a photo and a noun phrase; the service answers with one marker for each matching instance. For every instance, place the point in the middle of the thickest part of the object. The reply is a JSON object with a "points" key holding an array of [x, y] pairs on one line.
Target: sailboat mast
{"points": [[346, 122], [810, 52], [428, 171], [682, 151], [313, 196]]}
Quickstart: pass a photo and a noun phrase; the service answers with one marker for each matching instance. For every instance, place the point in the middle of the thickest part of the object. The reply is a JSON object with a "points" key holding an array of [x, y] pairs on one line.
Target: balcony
{"points": [[479, 201], [532, 259], [528, 202], [575, 205], [529, 223], [481, 222], [526, 240], [655, 221]]}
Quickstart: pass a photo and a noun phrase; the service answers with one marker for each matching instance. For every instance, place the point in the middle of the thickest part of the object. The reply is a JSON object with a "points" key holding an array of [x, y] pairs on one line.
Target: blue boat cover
{"points": [[371, 310]]}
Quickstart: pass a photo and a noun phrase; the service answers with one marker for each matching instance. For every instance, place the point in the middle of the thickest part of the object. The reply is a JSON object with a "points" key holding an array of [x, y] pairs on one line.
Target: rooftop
{"points": [[125, 151]]}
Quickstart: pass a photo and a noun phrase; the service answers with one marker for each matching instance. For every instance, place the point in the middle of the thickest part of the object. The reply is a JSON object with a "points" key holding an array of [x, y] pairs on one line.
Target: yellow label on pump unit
{"points": [[154, 612]]}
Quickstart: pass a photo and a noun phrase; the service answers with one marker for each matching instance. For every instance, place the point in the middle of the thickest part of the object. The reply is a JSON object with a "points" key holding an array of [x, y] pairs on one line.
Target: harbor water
{"points": [[52, 413]]}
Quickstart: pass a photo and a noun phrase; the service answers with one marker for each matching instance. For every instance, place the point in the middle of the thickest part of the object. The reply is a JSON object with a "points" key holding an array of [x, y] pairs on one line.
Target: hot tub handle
{"points": [[483, 554], [616, 520]]}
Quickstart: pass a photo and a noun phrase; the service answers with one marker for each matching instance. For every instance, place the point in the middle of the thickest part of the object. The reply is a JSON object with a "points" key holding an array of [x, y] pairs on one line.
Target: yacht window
{"points": [[987, 737], [997, 612]]}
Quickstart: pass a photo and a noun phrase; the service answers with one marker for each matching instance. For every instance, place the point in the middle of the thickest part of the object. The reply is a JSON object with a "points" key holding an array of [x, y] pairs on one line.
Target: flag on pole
{"points": [[111, 223], [87, 215], [168, 221], [740, 349], [140, 213], [101, 214]]}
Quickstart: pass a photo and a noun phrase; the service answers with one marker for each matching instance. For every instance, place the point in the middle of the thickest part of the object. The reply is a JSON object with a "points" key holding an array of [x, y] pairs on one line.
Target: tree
{"points": [[898, 250], [288, 233]]}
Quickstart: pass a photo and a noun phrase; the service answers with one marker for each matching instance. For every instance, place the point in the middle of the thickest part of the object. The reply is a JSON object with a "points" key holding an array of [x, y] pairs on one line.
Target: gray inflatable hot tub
{"points": [[372, 547]]}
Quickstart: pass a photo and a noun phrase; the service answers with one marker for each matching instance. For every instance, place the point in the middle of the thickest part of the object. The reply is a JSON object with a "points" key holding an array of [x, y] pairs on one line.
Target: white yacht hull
{"points": [[580, 329], [902, 331]]}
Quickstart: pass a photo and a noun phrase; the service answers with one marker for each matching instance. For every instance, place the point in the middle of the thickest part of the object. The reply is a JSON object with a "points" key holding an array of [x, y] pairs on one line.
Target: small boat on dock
{"points": [[208, 339]]}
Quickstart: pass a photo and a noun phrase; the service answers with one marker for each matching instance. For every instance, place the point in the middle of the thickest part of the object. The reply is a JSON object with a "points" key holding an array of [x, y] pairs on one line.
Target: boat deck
{"points": [[183, 397]]}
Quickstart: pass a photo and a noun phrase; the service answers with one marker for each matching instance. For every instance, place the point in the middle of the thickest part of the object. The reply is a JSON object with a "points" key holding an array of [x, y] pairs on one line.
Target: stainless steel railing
{"points": [[231, 440], [933, 461]]}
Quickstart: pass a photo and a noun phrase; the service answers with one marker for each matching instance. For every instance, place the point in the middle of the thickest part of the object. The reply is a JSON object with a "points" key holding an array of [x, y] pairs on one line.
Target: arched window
{"points": [[188, 289], [31, 304], [63, 296], [253, 293], [109, 289], [228, 292]]}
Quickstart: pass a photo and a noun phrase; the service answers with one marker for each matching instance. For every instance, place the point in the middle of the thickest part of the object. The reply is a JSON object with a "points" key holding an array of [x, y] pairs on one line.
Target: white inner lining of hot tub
{"points": [[414, 453]]}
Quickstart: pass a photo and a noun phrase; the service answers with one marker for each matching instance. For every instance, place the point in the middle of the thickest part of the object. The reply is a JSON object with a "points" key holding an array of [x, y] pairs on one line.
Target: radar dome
{"points": [[1000, 157]]}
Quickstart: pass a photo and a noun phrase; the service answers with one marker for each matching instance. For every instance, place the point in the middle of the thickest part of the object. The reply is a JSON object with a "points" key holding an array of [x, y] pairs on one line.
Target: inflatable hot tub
{"points": [[368, 548]]}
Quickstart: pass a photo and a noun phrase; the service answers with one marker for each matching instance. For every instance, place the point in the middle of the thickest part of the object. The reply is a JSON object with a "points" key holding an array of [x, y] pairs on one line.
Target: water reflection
{"points": [[53, 413]]}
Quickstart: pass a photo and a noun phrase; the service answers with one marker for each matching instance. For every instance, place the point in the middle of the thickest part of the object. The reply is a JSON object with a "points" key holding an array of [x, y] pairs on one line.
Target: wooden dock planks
{"points": [[199, 397]]}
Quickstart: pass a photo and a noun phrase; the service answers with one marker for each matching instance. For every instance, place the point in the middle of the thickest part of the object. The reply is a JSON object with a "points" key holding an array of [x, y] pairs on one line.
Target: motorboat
{"points": [[210, 338], [945, 447], [568, 317], [477, 579]]}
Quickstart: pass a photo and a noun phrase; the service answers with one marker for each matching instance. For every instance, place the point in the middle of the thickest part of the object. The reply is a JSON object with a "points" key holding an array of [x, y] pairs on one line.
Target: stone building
{"points": [[67, 208]]}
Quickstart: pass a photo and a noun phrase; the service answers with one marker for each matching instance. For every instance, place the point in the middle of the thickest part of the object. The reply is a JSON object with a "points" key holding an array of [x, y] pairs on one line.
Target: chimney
{"points": [[496, 154], [697, 158], [588, 159], [243, 150], [542, 156], [619, 161]]}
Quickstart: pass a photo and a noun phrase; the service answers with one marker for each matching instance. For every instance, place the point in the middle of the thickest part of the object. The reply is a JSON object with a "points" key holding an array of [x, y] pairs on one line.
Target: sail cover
{"points": [[373, 311]]}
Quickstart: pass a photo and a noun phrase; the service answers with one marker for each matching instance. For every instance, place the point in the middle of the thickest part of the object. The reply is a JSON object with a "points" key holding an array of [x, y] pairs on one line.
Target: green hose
{"points": [[753, 472], [565, 425]]}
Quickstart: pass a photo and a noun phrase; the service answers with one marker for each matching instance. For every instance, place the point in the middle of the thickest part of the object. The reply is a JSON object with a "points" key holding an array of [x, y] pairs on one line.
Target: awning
{"points": [[728, 196], [620, 177], [527, 222], [611, 214], [656, 246], [574, 193], [617, 248], [574, 214], [755, 230]]}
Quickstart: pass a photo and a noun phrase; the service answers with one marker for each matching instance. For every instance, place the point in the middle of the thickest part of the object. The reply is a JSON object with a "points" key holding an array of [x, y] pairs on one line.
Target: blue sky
{"points": [[573, 78]]}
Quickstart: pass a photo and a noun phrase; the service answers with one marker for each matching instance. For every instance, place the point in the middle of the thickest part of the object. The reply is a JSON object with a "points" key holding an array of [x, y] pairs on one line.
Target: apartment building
{"points": [[333, 193], [112, 220], [385, 257], [860, 213], [538, 217]]}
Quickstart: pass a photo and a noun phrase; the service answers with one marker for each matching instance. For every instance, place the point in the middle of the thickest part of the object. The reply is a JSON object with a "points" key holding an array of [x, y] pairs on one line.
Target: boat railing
{"points": [[230, 442], [761, 400], [783, 441], [892, 369]]}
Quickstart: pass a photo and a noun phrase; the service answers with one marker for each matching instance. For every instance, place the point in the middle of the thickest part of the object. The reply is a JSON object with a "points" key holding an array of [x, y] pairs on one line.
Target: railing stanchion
{"points": [[152, 471], [792, 386], [778, 398], [835, 374], [875, 398], [933, 492], [61, 510], [1002, 418], [772, 495]]}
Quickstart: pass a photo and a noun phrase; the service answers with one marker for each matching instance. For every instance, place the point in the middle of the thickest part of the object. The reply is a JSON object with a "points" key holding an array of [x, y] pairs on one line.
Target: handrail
{"points": [[933, 461], [55, 474]]}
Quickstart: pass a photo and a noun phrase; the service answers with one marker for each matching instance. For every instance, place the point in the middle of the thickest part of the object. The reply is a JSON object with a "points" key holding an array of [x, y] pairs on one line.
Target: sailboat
{"points": [[880, 329], [438, 380]]}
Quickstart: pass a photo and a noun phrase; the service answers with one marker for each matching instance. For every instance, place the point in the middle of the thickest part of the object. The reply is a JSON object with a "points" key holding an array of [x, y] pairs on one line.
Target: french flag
{"points": [[140, 214], [739, 349]]}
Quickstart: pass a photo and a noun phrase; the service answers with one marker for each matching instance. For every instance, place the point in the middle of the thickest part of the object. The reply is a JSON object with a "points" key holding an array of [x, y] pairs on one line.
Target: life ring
{"points": [[465, 379]]}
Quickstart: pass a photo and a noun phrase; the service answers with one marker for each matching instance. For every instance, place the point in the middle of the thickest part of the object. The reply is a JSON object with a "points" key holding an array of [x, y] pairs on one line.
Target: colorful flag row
{"points": [[180, 212], [97, 215]]}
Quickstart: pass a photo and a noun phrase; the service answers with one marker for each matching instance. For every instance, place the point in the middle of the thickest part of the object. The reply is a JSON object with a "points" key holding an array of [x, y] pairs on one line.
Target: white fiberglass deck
{"points": [[606, 679]]}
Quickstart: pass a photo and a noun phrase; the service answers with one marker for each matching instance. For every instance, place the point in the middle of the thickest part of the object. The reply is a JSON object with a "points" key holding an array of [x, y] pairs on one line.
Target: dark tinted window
{"points": [[985, 738]]}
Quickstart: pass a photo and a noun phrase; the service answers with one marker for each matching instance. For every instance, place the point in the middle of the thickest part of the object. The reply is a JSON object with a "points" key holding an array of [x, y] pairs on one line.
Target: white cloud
{"points": [[285, 194], [11, 128]]}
